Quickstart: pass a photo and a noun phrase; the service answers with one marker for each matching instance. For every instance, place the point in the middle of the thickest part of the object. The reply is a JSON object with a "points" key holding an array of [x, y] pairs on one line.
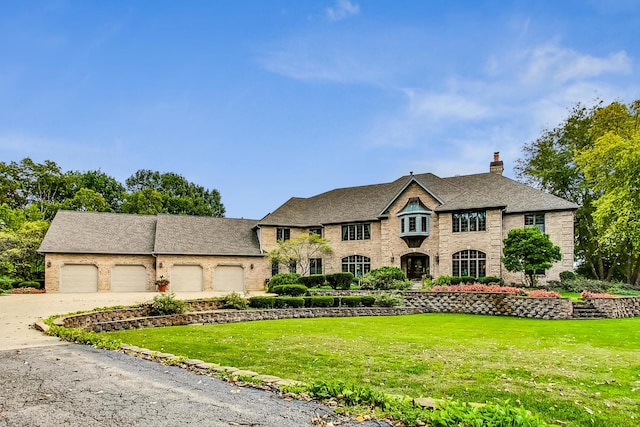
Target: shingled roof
{"points": [[100, 233], [369, 202], [199, 235], [110, 233]]}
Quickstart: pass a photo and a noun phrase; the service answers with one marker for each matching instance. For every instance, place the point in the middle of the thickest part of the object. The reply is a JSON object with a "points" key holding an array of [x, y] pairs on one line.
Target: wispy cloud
{"points": [[343, 9]]}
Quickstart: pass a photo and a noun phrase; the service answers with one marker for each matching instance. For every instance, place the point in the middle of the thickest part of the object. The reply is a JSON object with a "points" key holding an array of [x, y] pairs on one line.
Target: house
{"points": [[422, 223]]}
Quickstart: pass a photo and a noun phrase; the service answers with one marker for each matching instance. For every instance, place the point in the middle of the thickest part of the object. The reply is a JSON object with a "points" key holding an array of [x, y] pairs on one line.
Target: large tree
{"points": [[549, 164], [21, 232], [529, 250], [612, 168], [178, 195]]}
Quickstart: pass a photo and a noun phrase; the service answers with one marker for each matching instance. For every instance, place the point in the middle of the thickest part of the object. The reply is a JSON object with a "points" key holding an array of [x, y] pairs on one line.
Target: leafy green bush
{"points": [[313, 281], [234, 300], [262, 302], [463, 279], [289, 302], [580, 284], [351, 301], [321, 301], [29, 284], [283, 279], [490, 279], [368, 300], [401, 284], [382, 278], [442, 281], [340, 280], [165, 304], [567, 275], [290, 290], [6, 283], [389, 299]]}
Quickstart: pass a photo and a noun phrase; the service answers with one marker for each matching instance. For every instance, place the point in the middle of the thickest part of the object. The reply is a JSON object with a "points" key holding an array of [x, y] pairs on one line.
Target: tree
{"points": [[108, 187], [529, 250], [21, 232], [612, 167], [300, 250], [87, 200], [549, 164], [179, 196], [144, 202]]}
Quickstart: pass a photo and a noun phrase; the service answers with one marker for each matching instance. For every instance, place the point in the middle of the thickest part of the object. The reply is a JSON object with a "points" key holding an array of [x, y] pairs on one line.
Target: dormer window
{"points": [[415, 220]]}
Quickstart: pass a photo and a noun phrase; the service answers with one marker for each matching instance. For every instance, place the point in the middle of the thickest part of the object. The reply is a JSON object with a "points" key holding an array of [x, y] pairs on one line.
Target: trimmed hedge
{"points": [[313, 281], [29, 284], [351, 301], [262, 302], [321, 301], [289, 302], [283, 279], [368, 300], [340, 280], [290, 290]]}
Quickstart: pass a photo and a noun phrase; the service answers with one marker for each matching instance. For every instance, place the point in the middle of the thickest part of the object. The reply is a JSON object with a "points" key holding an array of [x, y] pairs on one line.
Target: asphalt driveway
{"points": [[48, 382]]}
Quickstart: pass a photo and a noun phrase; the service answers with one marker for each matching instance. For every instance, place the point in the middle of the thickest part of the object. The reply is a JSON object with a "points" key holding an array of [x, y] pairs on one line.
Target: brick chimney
{"points": [[497, 166]]}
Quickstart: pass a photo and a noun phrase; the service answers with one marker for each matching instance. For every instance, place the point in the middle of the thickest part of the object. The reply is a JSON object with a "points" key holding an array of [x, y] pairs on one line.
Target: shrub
{"points": [[313, 281], [401, 284], [307, 301], [386, 299], [289, 302], [383, 278], [234, 300], [283, 279], [588, 295], [351, 301], [29, 284], [6, 284], [368, 300], [290, 290], [442, 280], [543, 293], [165, 304], [487, 280], [340, 280], [567, 275], [262, 302], [322, 301]]}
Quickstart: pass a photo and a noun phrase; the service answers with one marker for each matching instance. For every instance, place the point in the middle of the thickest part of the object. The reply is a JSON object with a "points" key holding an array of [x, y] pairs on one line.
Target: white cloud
{"points": [[342, 10]]}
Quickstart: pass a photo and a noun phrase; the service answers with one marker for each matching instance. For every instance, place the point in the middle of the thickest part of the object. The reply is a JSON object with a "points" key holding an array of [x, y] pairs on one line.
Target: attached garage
{"points": [[186, 278], [128, 278], [229, 278], [79, 278]]}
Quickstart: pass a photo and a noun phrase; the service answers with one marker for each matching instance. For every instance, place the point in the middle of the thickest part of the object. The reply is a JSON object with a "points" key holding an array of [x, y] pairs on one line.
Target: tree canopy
{"points": [[551, 164], [300, 250]]}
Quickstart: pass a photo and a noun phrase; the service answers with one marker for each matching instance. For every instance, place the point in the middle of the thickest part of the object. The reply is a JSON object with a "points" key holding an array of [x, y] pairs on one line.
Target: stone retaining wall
{"points": [[234, 316], [618, 307]]}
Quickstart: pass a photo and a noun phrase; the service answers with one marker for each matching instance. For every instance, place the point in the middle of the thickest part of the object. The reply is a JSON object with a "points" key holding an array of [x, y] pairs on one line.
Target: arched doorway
{"points": [[415, 265]]}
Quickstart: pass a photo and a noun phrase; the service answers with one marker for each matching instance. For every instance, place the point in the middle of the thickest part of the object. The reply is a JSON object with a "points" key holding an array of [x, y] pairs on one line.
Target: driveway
{"points": [[48, 382]]}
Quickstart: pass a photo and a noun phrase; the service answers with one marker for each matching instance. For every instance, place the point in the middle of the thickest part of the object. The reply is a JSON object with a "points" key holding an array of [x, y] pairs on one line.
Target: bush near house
{"points": [[262, 302], [385, 278], [290, 290], [313, 281], [289, 302], [340, 280], [283, 279]]}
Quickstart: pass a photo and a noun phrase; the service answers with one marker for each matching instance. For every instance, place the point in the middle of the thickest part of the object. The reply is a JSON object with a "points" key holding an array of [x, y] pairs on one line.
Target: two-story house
{"points": [[422, 223]]}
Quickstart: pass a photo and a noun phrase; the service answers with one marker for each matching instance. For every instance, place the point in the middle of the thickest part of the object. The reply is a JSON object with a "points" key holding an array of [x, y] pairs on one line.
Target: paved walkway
{"points": [[19, 312]]}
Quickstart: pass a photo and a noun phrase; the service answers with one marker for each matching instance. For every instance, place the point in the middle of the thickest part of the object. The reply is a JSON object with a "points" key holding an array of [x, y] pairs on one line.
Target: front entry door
{"points": [[416, 266]]}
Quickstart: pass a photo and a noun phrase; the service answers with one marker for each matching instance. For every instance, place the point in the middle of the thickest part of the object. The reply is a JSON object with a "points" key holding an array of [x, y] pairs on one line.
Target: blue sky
{"points": [[265, 100]]}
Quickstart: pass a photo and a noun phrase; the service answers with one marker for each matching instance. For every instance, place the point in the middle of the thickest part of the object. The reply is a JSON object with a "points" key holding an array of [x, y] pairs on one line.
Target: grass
{"points": [[574, 373]]}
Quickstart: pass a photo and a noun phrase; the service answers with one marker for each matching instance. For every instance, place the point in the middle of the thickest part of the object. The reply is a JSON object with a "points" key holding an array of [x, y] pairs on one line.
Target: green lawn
{"points": [[575, 373]]}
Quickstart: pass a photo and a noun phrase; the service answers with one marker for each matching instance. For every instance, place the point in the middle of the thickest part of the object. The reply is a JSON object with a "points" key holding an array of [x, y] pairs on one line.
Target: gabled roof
{"points": [[199, 235], [370, 202], [100, 233], [110, 233]]}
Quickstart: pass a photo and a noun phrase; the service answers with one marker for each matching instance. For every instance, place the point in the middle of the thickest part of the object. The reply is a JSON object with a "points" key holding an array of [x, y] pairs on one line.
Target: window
{"points": [[356, 265], [292, 266], [534, 220], [412, 223], [274, 268], [316, 230], [470, 263], [283, 233], [315, 266], [469, 221], [356, 232]]}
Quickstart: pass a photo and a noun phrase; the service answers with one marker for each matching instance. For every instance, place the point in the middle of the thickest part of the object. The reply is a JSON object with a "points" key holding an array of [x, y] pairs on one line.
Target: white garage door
{"points": [[128, 278], [229, 278], [79, 278], [186, 278]]}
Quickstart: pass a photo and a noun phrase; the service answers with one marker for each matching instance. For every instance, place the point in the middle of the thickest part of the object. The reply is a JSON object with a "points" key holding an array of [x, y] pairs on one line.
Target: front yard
{"points": [[570, 372]]}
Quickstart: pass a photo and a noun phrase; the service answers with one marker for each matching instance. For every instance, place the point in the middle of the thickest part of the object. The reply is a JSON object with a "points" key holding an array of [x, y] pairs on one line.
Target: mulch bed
{"points": [[28, 291]]}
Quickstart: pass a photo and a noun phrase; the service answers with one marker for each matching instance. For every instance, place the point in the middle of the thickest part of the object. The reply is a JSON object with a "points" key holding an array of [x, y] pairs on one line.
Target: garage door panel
{"points": [[186, 278], [229, 278], [79, 278], [129, 278]]}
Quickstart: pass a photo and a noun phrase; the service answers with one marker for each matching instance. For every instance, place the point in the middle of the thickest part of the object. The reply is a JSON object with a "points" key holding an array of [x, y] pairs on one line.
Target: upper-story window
{"points": [[315, 230], [469, 221], [283, 233], [356, 232], [414, 222], [534, 220]]}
